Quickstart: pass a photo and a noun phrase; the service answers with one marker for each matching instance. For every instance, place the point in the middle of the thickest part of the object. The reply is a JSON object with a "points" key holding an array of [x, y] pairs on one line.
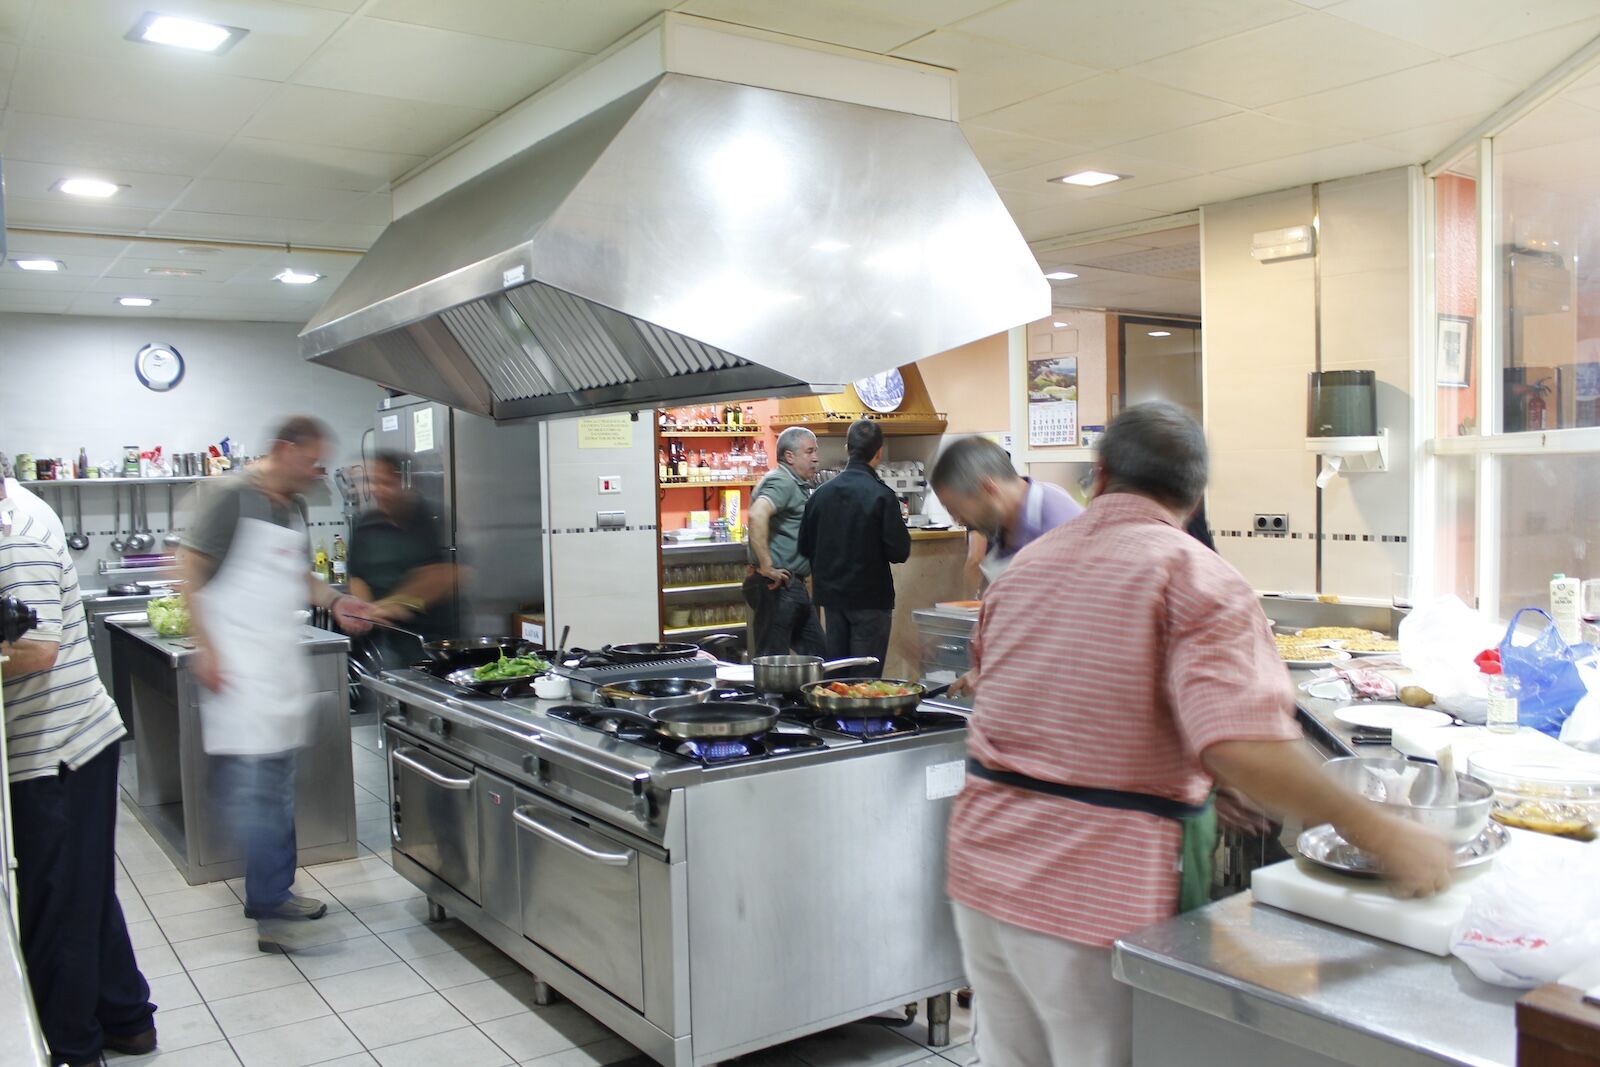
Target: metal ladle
{"points": [[172, 538], [76, 540], [118, 545]]}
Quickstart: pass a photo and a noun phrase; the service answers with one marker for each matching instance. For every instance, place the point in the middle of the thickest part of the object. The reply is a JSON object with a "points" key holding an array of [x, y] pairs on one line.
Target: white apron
{"points": [[994, 564], [250, 607]]}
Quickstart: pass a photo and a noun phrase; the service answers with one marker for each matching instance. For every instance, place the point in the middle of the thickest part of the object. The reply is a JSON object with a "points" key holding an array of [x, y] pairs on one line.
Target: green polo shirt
{"points": [[788, 495]]}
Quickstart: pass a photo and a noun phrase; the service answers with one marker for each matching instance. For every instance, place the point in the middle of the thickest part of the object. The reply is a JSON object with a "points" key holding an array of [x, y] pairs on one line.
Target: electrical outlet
{"points": [[1272, 524]]}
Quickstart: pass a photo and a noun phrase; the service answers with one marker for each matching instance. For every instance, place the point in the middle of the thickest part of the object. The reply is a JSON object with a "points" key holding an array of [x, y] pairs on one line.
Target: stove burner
{"points": [[716, 751], [884, 726], [707, 751]]}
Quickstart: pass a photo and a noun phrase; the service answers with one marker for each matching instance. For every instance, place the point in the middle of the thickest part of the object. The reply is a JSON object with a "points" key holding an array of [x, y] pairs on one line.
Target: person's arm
{"points": [[33, 574], [761, 512], [896, 538], [972, 570], [360, 589], [349, 613], [423, 586]]}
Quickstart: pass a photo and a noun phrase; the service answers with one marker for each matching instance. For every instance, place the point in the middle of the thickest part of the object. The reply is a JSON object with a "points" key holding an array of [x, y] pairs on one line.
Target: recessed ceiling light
{"points": [[198, 250], [174, 272], [39, 264], [290, 276], [156, 28], [1061, 276], [1160, 333], [1089, 178], [135, 301], [1059, 325], [90, 187]]}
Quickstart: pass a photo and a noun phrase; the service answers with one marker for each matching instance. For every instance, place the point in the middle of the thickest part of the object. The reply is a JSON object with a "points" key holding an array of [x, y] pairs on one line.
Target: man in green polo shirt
{"points": [[783, 618]]}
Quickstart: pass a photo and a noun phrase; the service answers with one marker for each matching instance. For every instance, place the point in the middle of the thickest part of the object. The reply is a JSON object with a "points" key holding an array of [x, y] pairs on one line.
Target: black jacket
{"points": [[851, 532]]}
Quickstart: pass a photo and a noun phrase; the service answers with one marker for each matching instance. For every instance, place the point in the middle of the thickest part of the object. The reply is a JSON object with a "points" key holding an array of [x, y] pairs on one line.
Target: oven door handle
{"points": [[611, 859], [443, 781]]}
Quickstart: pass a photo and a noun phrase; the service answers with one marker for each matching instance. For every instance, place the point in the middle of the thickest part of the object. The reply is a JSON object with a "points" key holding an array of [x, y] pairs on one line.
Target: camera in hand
{"points": [[16, 619]]}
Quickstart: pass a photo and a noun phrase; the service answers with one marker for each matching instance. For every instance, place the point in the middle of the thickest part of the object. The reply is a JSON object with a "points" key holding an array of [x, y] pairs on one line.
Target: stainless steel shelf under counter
{"points": [[1242, 983], [167, 774]]}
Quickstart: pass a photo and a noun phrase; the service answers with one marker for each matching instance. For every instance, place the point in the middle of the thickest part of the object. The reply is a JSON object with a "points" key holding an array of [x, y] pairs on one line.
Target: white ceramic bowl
{"points": [[552, 687]]}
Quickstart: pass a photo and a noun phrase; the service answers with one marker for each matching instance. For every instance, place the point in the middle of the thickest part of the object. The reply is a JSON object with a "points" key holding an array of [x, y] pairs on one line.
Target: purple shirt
{"points": [[1045, 507]]}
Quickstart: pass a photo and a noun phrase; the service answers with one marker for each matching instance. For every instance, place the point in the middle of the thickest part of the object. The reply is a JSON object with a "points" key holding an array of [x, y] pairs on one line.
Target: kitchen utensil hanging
{"points": [[78, 541]]}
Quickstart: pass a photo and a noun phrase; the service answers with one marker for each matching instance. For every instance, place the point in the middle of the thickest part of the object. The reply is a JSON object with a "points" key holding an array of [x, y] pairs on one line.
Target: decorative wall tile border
{"points": [[1387, 539]]}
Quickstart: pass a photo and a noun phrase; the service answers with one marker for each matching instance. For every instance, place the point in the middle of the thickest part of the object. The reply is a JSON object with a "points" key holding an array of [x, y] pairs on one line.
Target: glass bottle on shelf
{"points": [[749, 419], [701, 467], [761, 458], [661, 463], [681, 465]]}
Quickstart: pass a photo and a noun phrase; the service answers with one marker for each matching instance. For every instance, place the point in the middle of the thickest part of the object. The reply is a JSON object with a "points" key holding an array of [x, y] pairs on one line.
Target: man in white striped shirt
{"points": [[62, 731]]}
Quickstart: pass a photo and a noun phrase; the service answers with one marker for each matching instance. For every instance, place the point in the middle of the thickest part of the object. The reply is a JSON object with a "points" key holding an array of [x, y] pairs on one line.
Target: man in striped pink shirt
{"points": [[1123, 670]]}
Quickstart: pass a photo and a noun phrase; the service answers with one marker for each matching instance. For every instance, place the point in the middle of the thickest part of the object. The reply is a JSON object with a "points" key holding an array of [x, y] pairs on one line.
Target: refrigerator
{"points": [[480, 483]]}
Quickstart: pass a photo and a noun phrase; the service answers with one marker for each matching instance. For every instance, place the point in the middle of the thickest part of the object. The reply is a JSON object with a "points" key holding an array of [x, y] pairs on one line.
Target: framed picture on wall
{"points": [[1453, 357]]}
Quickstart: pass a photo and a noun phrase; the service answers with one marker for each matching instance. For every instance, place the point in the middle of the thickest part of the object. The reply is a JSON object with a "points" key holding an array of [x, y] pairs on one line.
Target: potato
{"points": [[1415, 696]]}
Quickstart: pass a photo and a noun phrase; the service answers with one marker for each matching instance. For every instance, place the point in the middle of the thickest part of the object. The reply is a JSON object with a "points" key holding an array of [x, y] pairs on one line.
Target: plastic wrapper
{"points": [[1534, 917]]}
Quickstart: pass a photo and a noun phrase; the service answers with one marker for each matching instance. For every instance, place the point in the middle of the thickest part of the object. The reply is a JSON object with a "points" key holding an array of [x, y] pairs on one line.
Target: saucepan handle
{"points": [[829, 666]]}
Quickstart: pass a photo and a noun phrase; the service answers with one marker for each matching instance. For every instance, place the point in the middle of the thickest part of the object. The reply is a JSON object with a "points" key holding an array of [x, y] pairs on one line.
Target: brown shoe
{"points": [[140, 1044]]}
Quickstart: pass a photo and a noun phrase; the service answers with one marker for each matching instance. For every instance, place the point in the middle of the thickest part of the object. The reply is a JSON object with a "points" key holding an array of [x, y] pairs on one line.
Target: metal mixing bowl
{"points": [[1458, 822]]}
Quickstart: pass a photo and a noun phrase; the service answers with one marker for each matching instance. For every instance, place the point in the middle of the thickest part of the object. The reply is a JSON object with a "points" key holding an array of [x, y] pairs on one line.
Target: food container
{"points": [[1458, 821], [1547, 793]]}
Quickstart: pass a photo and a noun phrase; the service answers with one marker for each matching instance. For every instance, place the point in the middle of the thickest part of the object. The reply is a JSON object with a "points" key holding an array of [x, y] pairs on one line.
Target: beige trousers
{"points": [[1040, 1001]]}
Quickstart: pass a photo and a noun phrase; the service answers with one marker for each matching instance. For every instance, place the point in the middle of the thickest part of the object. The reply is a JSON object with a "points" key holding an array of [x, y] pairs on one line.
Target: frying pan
{"points": [[790, 674], [816, 694], [466, 678], [701, 722], [650, 650], [648, 695]]}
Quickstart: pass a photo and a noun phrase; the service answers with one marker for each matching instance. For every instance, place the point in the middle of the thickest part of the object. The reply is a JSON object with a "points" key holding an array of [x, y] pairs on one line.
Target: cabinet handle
{"points": [[951, 648], [443, 781], [521, 817]]}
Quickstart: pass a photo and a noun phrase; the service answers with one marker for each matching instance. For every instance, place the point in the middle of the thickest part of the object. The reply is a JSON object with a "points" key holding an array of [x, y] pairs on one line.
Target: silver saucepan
{"points": [[790, 674]]}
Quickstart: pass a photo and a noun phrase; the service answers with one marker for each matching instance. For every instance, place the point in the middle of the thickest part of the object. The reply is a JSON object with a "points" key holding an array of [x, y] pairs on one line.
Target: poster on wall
{"points": [[1053, 401]]}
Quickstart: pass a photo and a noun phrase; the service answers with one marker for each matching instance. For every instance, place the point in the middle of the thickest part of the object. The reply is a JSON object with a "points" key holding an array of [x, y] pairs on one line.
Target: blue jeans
{"points": [[258, 794]]}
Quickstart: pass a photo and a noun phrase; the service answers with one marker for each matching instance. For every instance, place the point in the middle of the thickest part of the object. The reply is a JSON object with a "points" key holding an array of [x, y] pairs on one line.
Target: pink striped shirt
{"points": [[1112, 653]]}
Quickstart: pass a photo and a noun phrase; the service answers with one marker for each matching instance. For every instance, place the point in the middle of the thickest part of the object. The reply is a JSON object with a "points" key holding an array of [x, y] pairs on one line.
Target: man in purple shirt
{"points": [[977, 484]]}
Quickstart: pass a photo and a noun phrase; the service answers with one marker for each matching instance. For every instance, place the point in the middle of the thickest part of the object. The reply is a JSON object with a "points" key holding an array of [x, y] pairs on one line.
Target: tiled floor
{"points": [[373, 982]]}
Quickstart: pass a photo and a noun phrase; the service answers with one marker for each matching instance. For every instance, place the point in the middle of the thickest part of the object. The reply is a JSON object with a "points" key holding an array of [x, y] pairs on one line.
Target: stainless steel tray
{"points": [[1323, 846]]}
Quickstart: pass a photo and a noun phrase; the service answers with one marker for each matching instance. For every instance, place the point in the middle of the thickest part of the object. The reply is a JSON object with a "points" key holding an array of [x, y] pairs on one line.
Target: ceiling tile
{"points": [[254, 159], [130, 274], [1079, 217], [328, 5], [32, 180], [1425, 142], [1286, 59], [1402, 101], [222, 196], [1001, 151], [992, 75], [52, 83], [833, 21], [1185, 194], [439, 66], [938, 12], [222, 227], [71, 279], [1323, 165], [1557, 121], [1526, 59], [75, 215], [302, 114], [589, 28], [280, 38], [1110, 34], [1450, 27], [106, 304], [78, 142], [1105, 110], [57, 246], [38, 303], [14, 15], [334, 234], [1243, 137]]}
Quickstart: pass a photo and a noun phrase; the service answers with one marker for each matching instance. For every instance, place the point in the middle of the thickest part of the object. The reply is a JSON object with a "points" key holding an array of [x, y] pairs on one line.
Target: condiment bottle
{"points": [[1503, 718], [1564, 607]]}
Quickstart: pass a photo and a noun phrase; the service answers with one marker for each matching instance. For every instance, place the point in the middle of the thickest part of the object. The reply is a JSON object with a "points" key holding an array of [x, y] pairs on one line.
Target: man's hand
{"points": [[1417, 862], [1236, 812], [206, 668], [776, 577], [391, 609], [352, 615], [967, 683]]}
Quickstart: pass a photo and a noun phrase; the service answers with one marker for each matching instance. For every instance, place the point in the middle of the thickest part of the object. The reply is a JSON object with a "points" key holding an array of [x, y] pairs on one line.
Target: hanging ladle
{"points": [[172, 538], [76, 540], [118, 545]]}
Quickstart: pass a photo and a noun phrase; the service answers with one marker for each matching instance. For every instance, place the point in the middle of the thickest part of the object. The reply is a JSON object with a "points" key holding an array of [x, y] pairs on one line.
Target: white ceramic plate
{"points": [[1334, 656], [1327, 689], [1389, 716], [1358, 653]]}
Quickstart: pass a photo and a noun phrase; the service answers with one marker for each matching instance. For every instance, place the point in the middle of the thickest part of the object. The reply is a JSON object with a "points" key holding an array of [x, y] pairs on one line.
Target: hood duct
{"points": [[694, 239]]}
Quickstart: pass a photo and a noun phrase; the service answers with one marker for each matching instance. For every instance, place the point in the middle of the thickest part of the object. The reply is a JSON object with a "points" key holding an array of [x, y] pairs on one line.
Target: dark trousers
{"points": [[86, 983], [857, 632], [784, 620]]}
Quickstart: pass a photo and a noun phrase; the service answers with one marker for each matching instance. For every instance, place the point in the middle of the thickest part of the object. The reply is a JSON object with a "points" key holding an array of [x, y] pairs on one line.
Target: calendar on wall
{"points": [[1053, 401]]}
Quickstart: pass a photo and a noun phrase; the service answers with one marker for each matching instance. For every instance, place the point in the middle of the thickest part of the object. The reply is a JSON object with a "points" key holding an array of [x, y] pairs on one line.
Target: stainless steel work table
{"points": [[21, 1039], [167, 774]]}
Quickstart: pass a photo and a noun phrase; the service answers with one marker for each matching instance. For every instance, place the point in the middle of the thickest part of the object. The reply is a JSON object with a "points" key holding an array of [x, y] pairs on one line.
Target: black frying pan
{"points": [[650, 650], [707, 722]]}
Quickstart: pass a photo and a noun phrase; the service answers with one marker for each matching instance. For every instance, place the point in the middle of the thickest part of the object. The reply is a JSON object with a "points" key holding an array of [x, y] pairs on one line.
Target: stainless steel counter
{"points": [[21, 1039], [167, 774], [1239, 982]]}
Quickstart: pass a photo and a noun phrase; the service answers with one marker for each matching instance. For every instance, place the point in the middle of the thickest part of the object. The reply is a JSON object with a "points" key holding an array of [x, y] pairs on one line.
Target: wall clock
{"points": [[159, 367]]}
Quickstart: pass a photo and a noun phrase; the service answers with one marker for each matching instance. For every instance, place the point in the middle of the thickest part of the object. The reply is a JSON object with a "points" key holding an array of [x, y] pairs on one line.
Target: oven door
{"points": [[435, 814], [580, 895]]}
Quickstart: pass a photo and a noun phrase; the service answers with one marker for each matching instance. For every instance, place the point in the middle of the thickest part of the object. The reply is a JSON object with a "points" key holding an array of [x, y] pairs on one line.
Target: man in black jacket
{"points": [[852, 531]]}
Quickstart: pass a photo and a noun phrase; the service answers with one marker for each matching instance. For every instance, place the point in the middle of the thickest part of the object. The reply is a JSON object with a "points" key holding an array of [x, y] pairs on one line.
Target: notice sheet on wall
{"points": [[422, 429], [1053, 401], [605, 431]]}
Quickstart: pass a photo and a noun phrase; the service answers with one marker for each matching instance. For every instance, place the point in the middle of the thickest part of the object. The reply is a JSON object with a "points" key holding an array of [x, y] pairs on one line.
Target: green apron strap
{"points": [[1196, 860]]}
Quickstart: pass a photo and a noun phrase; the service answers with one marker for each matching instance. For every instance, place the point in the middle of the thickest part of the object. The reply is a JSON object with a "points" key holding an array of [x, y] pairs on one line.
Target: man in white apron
{"points": [[247, 565]]}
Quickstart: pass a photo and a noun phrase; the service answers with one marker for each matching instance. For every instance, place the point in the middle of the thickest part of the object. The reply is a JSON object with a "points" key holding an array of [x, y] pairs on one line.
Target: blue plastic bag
{"points": [[1547, 675]]}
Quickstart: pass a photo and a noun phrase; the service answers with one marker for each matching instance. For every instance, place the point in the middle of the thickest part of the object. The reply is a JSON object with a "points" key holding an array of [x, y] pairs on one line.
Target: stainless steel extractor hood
{"points": [[691, 239]]}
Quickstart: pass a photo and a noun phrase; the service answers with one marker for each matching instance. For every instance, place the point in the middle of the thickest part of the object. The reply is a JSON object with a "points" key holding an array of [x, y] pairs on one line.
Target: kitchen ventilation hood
{"points": [[691, 239]]}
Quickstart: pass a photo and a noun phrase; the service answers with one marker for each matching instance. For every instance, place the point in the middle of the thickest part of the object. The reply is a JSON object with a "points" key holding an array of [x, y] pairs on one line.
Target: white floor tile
{"points": [[297, 1044], [173, 991], [494, 998], [403, 1020], [960, 1054], [157, 961], [190, 925], [446, 970], [341, 957], [348, 872], [375, 985], [401, 915], [159, 880], [613, 1050], [386, 890], [218, 949], [269, 1008], [454, 1046], [360, 1059], [142, 861], [186, 1027], [145, 934], [304, 885], [544, 1031], [133, 905], [262, 971], [429, 940], [297, 935], [215, 1054], [190, 898]]}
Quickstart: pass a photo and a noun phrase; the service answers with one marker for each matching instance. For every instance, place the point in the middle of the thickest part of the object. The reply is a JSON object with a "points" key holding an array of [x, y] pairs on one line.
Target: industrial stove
{"points": [[703, 899]]}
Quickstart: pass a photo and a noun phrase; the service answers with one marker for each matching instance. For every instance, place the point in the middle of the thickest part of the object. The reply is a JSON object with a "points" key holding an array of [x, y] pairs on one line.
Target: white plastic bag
{"points": [[1439, 641], [1582, 728], [1535, 916]]}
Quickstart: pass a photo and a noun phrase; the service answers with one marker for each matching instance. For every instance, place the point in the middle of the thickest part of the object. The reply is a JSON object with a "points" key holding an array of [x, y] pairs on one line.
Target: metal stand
{"points": [[543, 995], [435, 912], [939, 1020]]}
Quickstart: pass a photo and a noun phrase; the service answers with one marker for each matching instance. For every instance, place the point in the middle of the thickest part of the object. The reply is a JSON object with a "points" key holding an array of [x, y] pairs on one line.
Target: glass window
{"points": [[1161, 361], [1455, 265], [1547, 167], [1456, 512], [1551, 524]]}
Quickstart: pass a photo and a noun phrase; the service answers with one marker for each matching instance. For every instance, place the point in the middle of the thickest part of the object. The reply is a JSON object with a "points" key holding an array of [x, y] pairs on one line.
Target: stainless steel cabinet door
{"points": [[435, 816], [580, 897]]}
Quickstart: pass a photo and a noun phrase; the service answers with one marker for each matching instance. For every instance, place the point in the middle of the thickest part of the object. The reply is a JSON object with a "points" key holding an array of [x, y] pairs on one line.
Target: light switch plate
{"points": [[610, 483], [610, 520]]}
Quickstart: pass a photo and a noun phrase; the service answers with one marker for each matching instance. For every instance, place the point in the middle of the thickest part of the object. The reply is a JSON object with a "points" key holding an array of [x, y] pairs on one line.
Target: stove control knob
{"points": [[642, 808], [437, 726], [534, 766]]}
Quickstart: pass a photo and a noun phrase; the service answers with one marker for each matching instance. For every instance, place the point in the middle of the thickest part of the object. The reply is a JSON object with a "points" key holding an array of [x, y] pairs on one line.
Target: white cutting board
{"points": [[1366, 905], [1427, 742]]}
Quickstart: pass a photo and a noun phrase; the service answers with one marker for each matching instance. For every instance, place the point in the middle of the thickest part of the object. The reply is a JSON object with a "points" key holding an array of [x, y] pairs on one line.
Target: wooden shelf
{"points": [[703, 485], [753, 432], [676, 631]]}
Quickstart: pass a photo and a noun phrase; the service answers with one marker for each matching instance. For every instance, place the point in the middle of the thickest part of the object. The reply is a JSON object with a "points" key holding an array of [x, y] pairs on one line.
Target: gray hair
{"points": [[970, 462], [793, 440], [1156, 450]]}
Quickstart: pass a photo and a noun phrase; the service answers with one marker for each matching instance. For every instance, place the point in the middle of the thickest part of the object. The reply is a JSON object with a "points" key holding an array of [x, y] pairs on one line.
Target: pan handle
{"points": [[829, 666]]}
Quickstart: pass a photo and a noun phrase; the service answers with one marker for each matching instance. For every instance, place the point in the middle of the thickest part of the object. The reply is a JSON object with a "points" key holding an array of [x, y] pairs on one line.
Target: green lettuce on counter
{"points": [[169, 615]]}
